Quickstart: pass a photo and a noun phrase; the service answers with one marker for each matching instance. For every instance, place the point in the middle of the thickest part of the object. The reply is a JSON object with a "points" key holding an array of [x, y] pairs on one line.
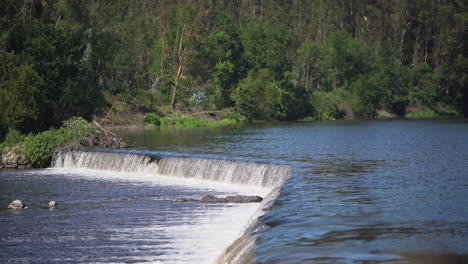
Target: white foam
{"points": [[162, 180], [196, 241], [214, 228]]}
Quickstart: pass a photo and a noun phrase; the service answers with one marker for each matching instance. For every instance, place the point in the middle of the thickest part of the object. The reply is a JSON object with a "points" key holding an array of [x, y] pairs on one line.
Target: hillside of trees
{"points": [[265, 59]]}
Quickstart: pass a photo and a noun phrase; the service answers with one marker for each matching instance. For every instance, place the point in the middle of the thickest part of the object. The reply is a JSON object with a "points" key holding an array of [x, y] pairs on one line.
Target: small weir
{"points": [[241, 174]]}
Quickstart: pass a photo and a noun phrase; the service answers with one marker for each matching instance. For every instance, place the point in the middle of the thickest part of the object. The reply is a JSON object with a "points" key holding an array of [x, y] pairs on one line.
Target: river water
{"points": [[361, 192]]}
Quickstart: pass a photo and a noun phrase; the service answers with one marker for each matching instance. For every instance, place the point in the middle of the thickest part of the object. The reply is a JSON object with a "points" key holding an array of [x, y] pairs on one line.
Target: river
{"points": [[393, 191]]}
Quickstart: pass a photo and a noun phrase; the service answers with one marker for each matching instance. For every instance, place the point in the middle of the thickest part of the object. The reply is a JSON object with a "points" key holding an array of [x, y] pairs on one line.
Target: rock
{"points": [[231, 199], [211, 199], [1, 166], [243, 199], [10, 158], [29, 165], [52, 203], [21, 167], [11, 166], [17, 205], [184, 200]]}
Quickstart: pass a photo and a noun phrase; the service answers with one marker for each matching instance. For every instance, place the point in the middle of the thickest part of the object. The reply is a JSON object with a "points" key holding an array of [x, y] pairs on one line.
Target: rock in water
{"points": [[231, 199], [211, 199], [52, 203], [17, 205], [184, 200], [243, 199]]}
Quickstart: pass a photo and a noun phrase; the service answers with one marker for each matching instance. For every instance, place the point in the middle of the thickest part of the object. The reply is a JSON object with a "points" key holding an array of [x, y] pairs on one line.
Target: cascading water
{"points": [[261, 177]]}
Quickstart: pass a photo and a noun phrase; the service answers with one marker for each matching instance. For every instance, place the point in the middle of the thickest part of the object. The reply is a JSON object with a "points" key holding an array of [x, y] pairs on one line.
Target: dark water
{"points": [[361, 192]]}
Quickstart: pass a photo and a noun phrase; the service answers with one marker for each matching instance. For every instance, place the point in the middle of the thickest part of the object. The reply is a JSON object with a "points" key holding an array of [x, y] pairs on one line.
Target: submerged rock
{"points": [[231, 199], [17, 205], [243, 199], [228, 199], [211, 199], [184, 200]]}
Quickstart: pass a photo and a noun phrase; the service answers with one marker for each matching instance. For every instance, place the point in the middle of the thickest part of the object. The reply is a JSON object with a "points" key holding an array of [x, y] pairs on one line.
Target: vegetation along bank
{"points": [[205, 63]]}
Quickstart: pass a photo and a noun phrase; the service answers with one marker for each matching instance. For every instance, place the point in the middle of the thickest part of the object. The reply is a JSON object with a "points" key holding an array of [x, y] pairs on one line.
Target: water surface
{"points": [[362, 191]]}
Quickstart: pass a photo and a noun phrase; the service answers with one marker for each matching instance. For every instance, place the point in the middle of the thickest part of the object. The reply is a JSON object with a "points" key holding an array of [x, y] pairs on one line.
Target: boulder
{"points": [[231, 199], [243, 199], [52, 204], [21, 167], [11, 165], [17, 205], [211, 199]]}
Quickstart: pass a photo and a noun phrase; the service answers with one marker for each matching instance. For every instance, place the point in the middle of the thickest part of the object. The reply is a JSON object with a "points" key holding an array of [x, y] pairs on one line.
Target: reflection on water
{"points": [[362, 191]]}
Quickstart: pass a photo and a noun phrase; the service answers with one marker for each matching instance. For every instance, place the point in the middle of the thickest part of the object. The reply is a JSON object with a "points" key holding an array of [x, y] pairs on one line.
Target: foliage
{"points": [[229, 121], [326, 105], [165, 121], [21, 98], [152, 118], [188, 122], [258, 96], [40, 147], [12, 138], [265, 60], [426, 114], [77, 131]]}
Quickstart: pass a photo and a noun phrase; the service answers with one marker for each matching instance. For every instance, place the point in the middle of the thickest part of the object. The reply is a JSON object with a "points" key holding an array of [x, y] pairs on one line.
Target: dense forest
{"points": [[263, 59]]}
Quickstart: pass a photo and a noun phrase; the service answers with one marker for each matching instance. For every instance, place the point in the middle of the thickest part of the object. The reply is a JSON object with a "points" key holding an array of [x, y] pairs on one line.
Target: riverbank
{"points": [[18, 151]]}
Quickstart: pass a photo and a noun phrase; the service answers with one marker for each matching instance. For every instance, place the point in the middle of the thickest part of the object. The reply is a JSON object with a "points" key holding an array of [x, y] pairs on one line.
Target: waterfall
{"points": [[237, 173], [267, 175], [111, 161]]}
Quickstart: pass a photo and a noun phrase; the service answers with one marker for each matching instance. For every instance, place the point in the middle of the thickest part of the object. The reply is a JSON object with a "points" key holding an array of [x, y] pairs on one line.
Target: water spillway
{"points": [[262, 174], [222, 232]]}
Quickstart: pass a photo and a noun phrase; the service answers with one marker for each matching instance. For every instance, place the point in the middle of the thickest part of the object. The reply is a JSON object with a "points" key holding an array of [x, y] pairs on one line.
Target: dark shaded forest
{"points": [[263, 59]]}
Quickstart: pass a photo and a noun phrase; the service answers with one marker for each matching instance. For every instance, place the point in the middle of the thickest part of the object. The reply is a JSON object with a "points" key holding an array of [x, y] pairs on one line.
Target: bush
{"points": [[258, 96], [165, 121], [229, 121], [152, 118], [11, 139], [425, 114], [39, 148], [330, 105], [77, 131], [188, 122]]}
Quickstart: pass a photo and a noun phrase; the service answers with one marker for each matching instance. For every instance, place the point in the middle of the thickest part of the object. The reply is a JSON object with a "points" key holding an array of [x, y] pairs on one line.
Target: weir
{"points": [[266, 175], [249, 173]]}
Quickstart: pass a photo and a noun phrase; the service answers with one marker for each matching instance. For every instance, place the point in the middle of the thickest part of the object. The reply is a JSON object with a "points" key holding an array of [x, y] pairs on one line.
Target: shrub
{"points": [[11, 139], [152, 118], [166, 121], [188, 122], [425, 114], [39, 148], [327, 105], [229, 121], [77, 131]]}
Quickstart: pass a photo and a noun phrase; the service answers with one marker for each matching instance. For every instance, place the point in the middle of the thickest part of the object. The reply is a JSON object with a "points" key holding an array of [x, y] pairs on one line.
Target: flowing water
{"points": [[359, 192]]}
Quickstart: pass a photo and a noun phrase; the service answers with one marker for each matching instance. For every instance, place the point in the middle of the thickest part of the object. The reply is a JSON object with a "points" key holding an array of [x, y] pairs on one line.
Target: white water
{"points": [[200, 240]]}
